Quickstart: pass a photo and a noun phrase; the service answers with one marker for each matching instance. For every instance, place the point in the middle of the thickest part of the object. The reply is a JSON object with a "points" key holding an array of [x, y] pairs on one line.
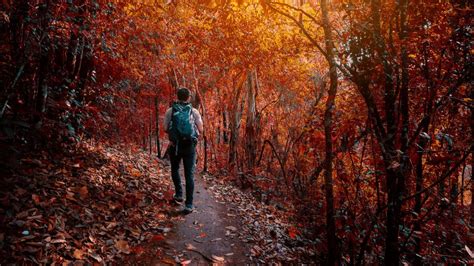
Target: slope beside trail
{"points": [[100, 204]]}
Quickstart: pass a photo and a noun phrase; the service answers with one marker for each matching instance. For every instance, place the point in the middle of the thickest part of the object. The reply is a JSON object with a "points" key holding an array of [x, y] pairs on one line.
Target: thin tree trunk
{"points": [[393, 171], [42, 89], [462, 185], [404, 108], [422, 146], [418, 200], [334, 256], [157, 128], [224, 127], [205, 154], [250, 127], [200, 102], [472, 163], [150, 130], [235, 116]]}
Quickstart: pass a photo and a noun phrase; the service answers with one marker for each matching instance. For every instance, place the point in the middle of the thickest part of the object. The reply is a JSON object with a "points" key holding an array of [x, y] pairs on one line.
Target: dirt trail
{"points": [[212, 229]]}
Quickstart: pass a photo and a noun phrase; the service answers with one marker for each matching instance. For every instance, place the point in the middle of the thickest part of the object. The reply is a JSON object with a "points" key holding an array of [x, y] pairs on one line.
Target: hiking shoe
{"points": [[188, 210], [178, 200]]}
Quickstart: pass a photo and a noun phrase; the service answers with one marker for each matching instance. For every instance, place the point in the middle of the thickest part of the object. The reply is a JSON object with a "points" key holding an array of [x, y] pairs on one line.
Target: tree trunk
{"points": [[150, 129], [157, 128], [250, 127], [200, 102], [472, 162], [234, 124], [205, 154], [224, 127], [393, 165], [42, 89], [334, 256]]}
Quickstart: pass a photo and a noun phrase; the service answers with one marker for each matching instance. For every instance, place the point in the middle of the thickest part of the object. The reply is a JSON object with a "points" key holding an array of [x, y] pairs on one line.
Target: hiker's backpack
{"points": [[182, 129]]}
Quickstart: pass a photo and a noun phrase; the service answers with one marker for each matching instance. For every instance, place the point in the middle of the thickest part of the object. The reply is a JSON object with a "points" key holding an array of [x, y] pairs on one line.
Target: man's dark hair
{"points": [[183, 94]]}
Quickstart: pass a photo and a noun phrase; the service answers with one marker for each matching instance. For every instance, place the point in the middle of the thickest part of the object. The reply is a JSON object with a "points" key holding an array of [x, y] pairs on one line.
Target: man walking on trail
{"points": [[183, 124]]}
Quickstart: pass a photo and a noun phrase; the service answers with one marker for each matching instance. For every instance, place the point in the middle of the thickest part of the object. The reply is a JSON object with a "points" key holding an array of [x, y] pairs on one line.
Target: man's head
{"points": [[183, 94]]}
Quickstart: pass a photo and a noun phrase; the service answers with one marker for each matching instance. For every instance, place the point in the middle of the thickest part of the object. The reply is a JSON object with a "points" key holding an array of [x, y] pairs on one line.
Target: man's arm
{"points": [[198, 121], [167, 119]]}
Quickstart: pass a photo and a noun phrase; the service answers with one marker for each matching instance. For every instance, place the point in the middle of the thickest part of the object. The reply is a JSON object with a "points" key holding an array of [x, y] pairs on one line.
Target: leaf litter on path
{"points": [[272, 237], [94, 204]]}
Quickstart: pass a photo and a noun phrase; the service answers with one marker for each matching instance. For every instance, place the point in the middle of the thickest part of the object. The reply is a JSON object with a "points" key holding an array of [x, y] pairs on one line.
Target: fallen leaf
{"points": [[231, 228], [84, 192], [78, 254], [393, 165], [138, 250], [168, 261], [111, 225], [122, 246], [36, 244], [292, 232], [185, 262], [190, 246], [469, 251], [20, 191], [157, 238], [36, 198], [217, 258], [136, 173], [96, 257]]}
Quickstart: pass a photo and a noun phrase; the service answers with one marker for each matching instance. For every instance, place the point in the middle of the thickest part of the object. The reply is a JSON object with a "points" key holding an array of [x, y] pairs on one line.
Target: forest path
{"points": [[211, 234], [211, 230]]}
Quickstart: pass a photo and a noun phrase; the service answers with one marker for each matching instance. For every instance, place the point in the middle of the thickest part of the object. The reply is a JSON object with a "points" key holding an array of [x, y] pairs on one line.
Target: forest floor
{"points": [[209, 234], [100, 204]]}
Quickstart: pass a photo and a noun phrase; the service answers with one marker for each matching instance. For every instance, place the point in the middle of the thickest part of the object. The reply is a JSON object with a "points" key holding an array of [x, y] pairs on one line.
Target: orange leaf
{"points": [[83, 192], [138, 250], [78, 254], [157, 238], [217, 258], [292, 232], [122, 246], [36, 199]]}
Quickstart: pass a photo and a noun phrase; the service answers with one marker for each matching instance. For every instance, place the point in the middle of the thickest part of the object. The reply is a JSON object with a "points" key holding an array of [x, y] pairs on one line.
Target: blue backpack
{"points": [[182, 130]]}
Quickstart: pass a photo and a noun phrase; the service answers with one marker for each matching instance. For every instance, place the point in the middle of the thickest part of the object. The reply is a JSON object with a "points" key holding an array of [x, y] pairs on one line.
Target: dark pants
{"points": [[188, 155]]}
